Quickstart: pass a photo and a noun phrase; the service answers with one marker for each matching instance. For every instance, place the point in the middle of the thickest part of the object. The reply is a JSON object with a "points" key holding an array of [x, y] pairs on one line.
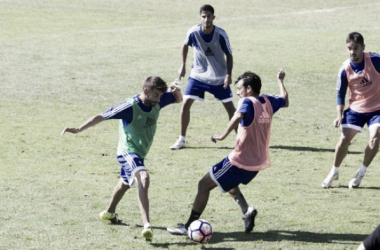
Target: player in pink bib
{"points": [[250, 155], [360, 77]]}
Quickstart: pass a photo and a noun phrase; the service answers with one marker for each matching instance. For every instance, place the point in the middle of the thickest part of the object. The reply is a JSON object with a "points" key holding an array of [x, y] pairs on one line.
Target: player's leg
{"points": [[117, 194], [194, 91], [142, 178], [369, 154], [230, 108], [352, 123], [205, 185], [143, 182], [249, 212], [238, 197]]}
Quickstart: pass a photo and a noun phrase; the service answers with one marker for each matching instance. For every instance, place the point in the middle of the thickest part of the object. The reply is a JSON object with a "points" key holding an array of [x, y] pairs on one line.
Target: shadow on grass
{"points": [[311, 149], [274, 235], [361, 187], [292, 148], [270, 236]]}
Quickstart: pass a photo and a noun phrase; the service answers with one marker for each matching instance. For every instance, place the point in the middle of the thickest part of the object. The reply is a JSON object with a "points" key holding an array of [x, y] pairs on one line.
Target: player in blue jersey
{"points": [[360, 77], [250, 155], [211, 70], [138, 118]]}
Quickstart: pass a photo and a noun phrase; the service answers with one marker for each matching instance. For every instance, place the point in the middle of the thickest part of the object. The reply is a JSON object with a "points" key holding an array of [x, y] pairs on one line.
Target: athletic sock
{"points": [[182, 138], [240, 200], [147, 225], [193, 216], [334, 170], [362, 169]]}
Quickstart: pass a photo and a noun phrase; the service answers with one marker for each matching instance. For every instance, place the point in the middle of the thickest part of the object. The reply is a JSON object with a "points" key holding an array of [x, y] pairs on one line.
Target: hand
{"points": [[337, 122], [70, 130], [175, 85], [215, 138], [181, 72], [227, 81], [280, 74]]}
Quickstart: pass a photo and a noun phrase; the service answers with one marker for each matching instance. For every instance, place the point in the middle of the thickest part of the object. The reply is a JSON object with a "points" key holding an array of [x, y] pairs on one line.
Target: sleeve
{"points": [[122, 111], [277, 102], [245, 106], [372, 242], [225, 42], [190, 40], [341, 86], [167, 99]]}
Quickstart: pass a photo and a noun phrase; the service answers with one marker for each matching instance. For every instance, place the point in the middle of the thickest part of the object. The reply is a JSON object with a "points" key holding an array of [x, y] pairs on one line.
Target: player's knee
{"points": [[144, 179]]}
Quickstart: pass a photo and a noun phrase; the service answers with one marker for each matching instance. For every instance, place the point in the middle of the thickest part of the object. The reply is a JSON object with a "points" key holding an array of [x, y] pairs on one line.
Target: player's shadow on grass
{"points": [[291, 148], [310, 149], [283, 235]]}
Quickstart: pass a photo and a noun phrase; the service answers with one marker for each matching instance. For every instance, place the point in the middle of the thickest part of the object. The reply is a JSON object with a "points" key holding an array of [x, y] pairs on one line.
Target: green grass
{"points": [[63, 61]]}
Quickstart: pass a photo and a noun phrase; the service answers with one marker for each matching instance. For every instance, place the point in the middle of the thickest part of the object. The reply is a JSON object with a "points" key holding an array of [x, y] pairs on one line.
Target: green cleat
{"points": [[147, 233], [105, 215]]}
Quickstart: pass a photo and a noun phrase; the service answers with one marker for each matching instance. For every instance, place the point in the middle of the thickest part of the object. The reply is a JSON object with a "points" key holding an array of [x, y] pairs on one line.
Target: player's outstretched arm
{"points": [[234, 122], [89, 123], [280, 78]]}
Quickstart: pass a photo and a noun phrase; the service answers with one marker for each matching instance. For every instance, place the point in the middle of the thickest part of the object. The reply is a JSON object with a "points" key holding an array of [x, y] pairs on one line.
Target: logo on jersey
{"points": [[149, 122], [209, 52], [364, 82], [264, 117]]}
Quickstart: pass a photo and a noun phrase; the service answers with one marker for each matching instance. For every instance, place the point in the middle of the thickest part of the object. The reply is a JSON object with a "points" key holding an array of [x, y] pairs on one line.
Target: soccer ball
{"points": [[200, 231]]}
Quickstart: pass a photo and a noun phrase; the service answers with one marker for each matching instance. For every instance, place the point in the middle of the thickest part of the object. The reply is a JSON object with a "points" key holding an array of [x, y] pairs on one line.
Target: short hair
{"points": [[155, 82], [250, 79], [355, 37], [206, 7]]}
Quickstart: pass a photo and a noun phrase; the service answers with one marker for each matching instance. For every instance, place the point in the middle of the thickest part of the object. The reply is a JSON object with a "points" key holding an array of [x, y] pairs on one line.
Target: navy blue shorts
{"points": [[228, 176], [130, 164], [196, 90], [355, 120]]}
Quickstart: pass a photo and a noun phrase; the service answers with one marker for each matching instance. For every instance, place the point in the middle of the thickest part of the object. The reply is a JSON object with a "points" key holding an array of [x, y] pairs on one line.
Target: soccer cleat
{"points": [[354, 183], [180, 230], [147, 233], [105, 215], [178, 145], [329, 179], [249, 219]]}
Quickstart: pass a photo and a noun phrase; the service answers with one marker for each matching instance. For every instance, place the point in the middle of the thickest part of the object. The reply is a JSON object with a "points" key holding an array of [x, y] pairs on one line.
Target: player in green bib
{"points": [[138, 117]]}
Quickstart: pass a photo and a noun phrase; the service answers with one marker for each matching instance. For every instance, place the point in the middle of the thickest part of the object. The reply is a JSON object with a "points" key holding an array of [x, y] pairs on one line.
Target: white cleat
{"points": [[180, 230], [329, 179], [178, 145], [354, 183]]}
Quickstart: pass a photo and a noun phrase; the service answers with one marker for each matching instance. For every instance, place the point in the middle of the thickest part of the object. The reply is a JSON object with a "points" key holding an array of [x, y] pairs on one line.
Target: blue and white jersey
{"points": [[245, 106], [209, 65], [342, 82], [124, 110]]}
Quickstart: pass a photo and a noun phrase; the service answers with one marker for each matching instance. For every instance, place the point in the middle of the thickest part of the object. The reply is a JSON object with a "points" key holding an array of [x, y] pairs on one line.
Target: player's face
{"points": [[207, 19], [152, 97], [241, 90], [356, 51]]}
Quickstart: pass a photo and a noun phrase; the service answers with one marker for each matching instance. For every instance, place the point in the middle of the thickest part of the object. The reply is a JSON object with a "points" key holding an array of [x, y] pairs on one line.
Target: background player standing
{"points": [[211, 70], [360, 75]]}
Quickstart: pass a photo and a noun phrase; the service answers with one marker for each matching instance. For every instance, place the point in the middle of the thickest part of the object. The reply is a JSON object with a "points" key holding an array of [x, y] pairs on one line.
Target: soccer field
{"points": [[63, 61]]}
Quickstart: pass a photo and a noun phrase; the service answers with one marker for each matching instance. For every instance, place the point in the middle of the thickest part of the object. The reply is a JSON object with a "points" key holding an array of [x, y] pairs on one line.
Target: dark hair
{"points": [[250, 79], [206, 7], [355, 37], [155, 82]]}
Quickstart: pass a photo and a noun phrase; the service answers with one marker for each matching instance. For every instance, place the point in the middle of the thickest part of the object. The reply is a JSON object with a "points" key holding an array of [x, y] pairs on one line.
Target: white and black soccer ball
{"points": [[200, 231]]}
